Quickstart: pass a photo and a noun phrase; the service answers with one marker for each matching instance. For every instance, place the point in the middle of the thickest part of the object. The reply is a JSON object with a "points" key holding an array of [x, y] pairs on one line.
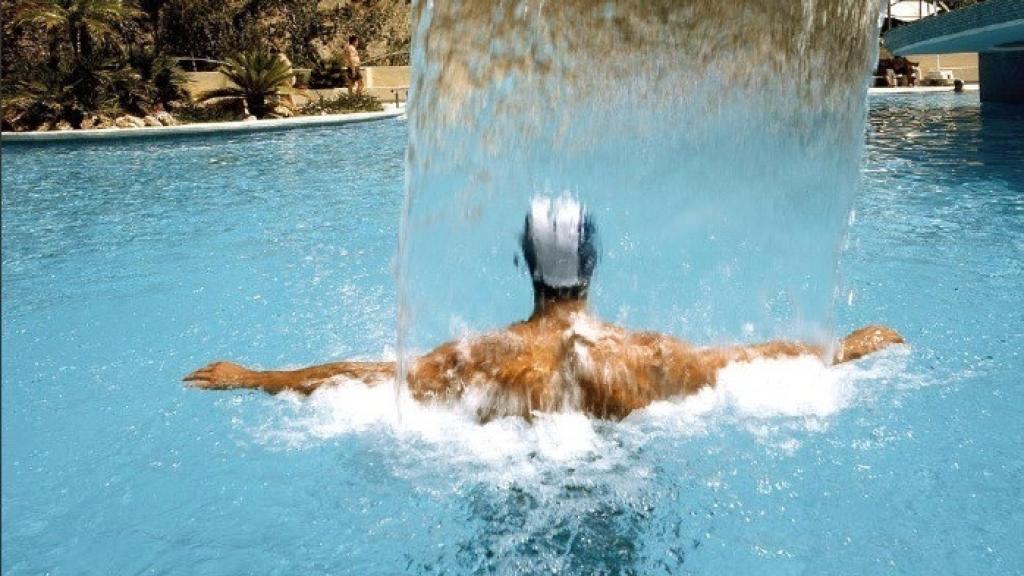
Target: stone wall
{"points": [[387, 76], [381, 81], [200, 82], [963, 65]]}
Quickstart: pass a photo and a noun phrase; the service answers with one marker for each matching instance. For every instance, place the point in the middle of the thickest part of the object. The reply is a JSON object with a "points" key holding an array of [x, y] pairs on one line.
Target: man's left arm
{"points": [[857, 344], [685, 369]]}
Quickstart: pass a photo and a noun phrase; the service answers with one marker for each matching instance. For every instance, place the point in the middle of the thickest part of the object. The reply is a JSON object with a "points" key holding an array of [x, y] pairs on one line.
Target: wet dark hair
{"points": [[586, 252], [353, 39]]}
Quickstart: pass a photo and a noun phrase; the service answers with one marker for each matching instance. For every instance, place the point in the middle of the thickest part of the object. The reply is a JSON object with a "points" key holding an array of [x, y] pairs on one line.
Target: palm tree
{"points": [[65, 93], [82, 23], [40, 99], [160, 72], [258, 79]]}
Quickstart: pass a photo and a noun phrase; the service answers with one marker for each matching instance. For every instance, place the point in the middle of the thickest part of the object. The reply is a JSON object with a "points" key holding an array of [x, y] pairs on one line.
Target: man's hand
{"points": [[222, 376], [865, 341]]}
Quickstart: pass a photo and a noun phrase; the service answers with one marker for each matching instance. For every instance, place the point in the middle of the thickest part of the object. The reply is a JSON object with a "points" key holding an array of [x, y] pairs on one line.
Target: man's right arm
{"points": [[228, 376]]}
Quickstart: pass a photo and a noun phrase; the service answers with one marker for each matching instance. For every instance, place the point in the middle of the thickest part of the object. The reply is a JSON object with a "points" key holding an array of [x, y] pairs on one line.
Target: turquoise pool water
{"points": [[127, 264]]}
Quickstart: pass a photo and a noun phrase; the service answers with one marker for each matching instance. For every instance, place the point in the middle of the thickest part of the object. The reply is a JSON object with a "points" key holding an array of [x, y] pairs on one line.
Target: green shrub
{"points": [[64, 93], [257, 77], [192, 113], [161, 73], [329, 73], [341, 104]]}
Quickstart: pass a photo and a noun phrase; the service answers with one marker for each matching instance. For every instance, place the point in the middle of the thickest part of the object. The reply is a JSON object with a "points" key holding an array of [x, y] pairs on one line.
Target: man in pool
{"points": [[561, 358]]}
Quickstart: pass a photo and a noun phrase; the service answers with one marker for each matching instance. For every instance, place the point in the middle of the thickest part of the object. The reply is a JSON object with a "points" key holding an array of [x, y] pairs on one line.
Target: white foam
{"points": [[776, 401], [798, 387]]}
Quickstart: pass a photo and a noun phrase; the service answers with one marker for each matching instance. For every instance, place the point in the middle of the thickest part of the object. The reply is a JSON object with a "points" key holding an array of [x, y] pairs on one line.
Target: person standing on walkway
{"points": [[287, 97], [353, 71]]}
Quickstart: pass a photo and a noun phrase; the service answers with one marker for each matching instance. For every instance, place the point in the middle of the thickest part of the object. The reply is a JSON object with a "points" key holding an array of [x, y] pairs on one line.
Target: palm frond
{"points": [[256, 76], [48, 14], [103, 18], [257, 72]]}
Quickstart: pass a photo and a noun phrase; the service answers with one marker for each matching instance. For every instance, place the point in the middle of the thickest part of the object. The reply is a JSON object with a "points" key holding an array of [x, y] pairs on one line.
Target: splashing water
{"points": [[717, 144], [773, 400]]}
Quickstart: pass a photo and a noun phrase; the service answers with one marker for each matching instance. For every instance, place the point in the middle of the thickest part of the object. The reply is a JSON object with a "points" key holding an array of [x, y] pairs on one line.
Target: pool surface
{"points": [[127, 264]]}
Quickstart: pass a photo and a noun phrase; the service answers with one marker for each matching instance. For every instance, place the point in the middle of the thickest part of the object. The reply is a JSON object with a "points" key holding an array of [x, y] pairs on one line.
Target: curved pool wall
{"points": [[718, 160], [200, 129], [127, 264]]}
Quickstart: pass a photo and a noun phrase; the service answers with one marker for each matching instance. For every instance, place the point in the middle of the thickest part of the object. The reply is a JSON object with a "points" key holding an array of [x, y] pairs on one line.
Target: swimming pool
{"points": [[126, 264]]}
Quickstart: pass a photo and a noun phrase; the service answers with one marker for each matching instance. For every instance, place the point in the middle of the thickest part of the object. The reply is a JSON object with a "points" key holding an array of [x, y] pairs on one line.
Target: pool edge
{"points": [[240, 126]]}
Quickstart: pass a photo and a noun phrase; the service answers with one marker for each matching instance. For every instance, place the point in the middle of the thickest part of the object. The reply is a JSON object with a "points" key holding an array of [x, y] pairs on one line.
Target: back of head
{"points": [[559, 246]]}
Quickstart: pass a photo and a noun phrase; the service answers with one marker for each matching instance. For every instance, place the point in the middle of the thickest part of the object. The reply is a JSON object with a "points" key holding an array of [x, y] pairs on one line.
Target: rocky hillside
{"points": [[64, 61]]}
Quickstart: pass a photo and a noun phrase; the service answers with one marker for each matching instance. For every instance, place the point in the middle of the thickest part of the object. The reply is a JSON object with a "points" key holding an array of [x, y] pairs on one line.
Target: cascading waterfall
{"points": [[716, 143]]}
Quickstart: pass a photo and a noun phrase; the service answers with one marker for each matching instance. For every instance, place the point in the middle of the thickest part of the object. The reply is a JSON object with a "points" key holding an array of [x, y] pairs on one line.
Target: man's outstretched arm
{"points": [[228, 375], [866, 340], [620, 374], [684, 370], [857, 344]]}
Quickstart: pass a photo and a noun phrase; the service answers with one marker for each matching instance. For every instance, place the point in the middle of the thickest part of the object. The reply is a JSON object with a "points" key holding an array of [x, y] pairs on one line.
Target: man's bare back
{"points": [[561, 358]]}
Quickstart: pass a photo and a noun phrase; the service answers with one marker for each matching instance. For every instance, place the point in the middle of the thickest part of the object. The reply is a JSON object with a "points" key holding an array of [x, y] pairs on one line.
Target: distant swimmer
{"points": [[562, 357]]}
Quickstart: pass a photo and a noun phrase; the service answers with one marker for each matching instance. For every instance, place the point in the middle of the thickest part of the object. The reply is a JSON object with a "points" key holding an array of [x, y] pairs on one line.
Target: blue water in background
{"points": [[127, 264]]}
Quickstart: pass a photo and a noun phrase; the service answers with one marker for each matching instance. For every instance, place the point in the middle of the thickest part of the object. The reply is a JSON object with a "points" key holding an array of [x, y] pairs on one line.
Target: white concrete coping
{"points": [[390, 111], [918, 89]]}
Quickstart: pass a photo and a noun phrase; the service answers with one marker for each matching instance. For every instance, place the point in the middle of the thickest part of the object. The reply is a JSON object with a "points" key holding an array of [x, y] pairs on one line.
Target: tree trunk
{"points": [[85, 41], [54, 60], [257, 105]]}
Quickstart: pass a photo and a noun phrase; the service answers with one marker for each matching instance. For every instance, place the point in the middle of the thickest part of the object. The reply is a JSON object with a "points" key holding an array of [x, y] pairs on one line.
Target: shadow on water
{"points": [[593, 532], [1001, 141], [578, 525]]}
